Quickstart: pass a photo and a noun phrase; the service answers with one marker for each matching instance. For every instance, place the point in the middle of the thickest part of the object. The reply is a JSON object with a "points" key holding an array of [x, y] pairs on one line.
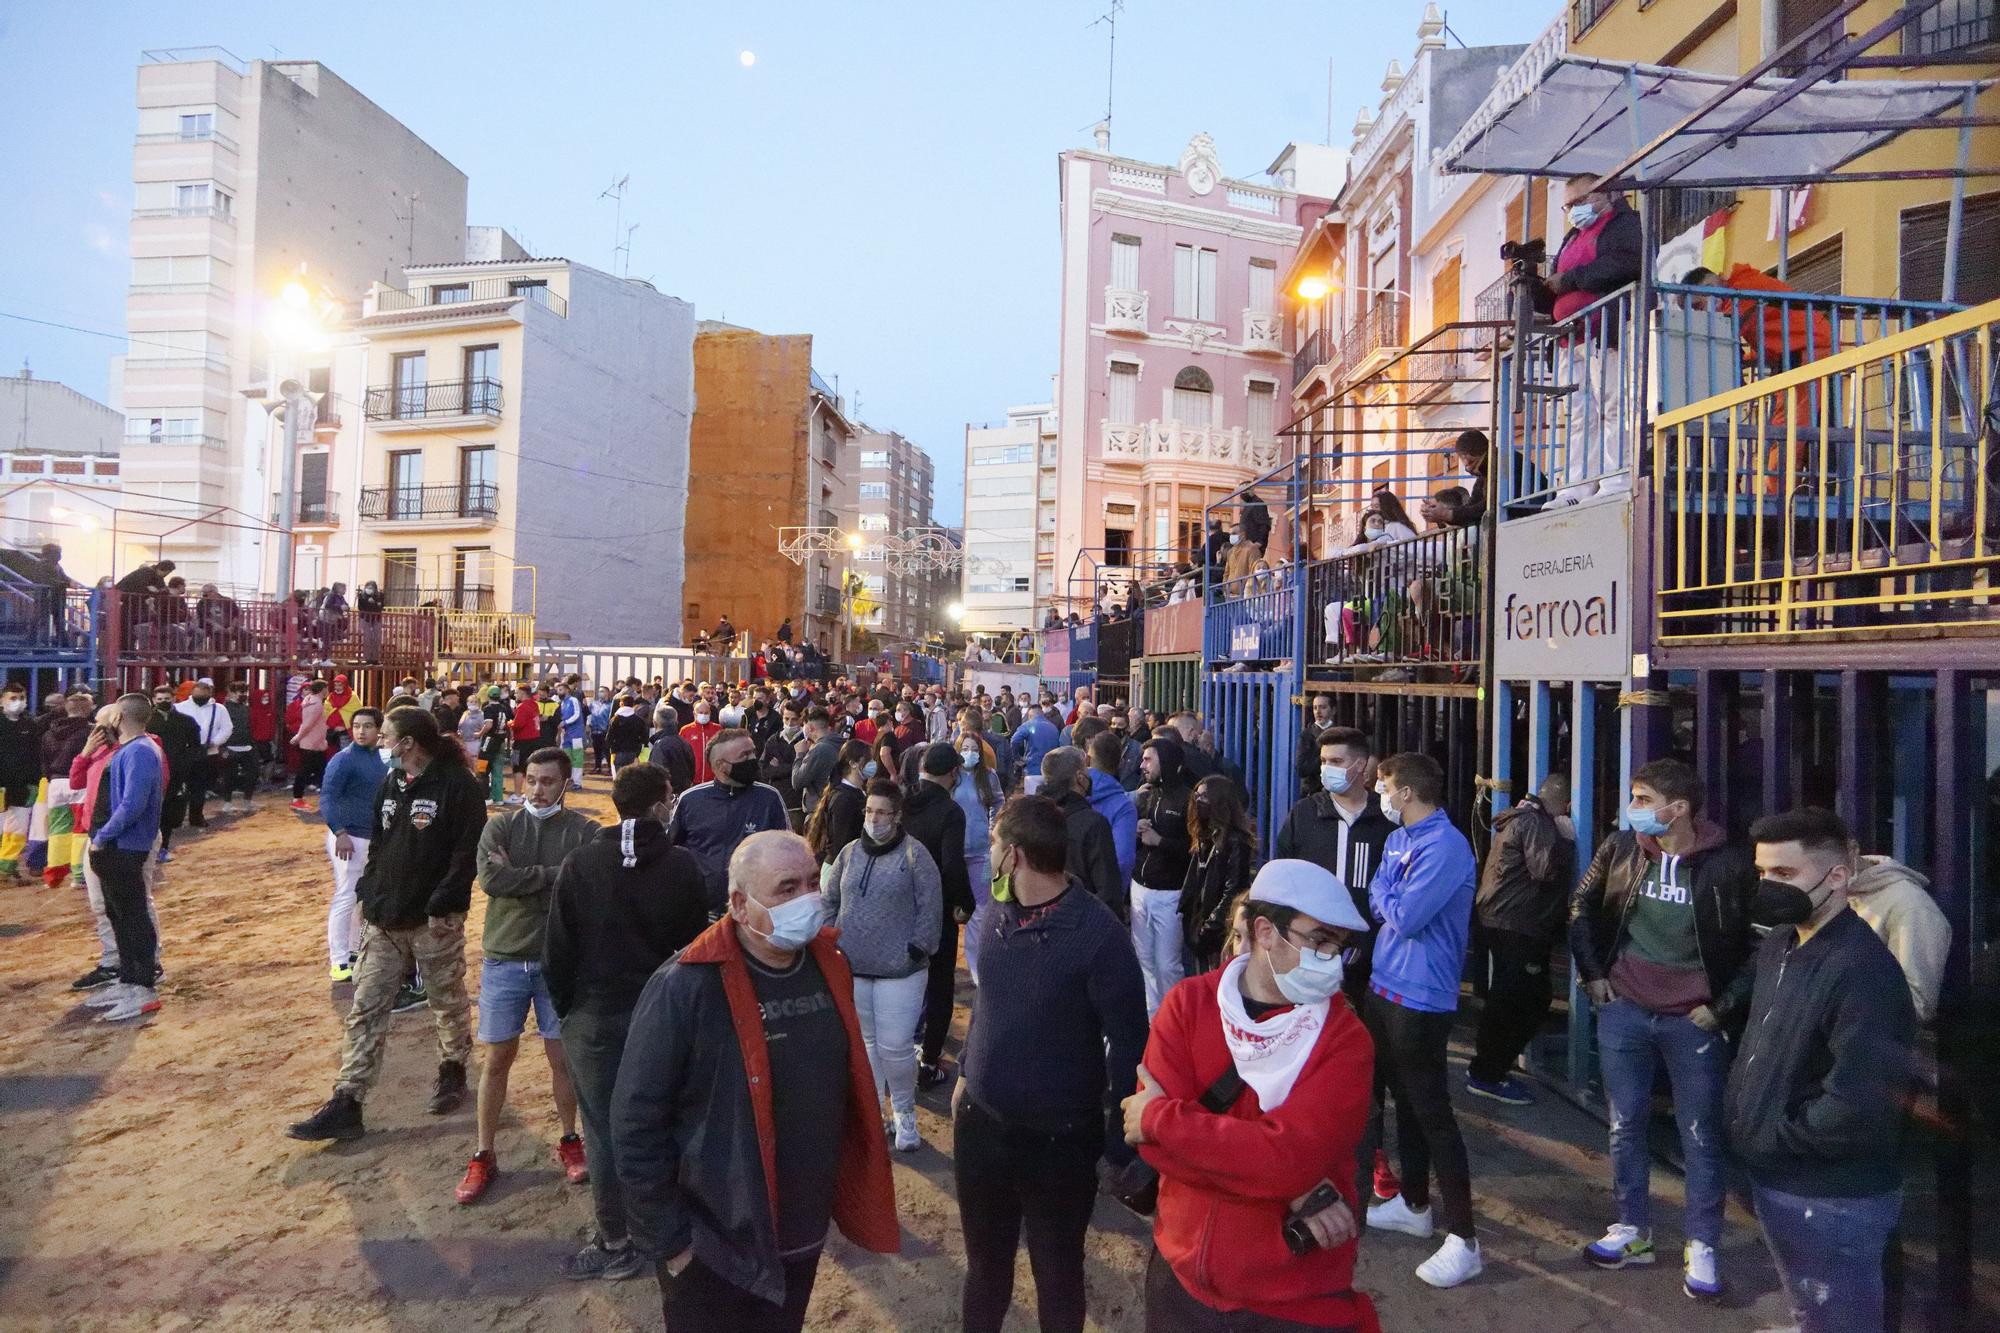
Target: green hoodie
{"points": [[517, 908]]}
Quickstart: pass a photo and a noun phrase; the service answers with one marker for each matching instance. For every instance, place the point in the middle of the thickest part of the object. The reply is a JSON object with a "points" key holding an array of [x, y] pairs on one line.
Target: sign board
{"points": [[1562, 593], [1243, 641]]}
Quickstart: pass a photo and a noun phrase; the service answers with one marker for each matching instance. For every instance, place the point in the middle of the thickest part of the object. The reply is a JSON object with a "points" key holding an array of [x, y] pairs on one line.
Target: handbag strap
{"points": [[1222, 1094]]}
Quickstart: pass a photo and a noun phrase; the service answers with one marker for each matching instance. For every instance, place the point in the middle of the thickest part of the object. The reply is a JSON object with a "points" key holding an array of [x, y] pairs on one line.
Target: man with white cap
{"points": [[1252, 1101], [213, 728]]}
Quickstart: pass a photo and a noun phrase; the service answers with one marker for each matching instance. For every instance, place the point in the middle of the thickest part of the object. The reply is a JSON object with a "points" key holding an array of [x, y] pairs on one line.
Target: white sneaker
{"points": [[107, 997], [1456, 1261], [137, 1003], [1395, 1215], [229, 807], [907, 1137], [1700, 1278]]}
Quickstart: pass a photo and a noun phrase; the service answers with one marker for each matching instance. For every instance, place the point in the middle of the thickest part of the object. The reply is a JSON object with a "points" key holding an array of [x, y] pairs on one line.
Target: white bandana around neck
{"points": [[1268, 1054]]}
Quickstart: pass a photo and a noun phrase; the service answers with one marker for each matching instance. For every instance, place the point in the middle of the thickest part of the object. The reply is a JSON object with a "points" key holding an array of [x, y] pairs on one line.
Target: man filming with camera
{"points": [[1251, 1104]]}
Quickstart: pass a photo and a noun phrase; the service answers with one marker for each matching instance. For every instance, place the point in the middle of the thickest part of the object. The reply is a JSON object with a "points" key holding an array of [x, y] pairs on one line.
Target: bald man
{"points": [[748, 1046]]}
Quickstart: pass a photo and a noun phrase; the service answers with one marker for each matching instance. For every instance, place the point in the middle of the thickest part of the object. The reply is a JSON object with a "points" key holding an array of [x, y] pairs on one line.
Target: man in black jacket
{"points": [[20, 776], [712, 818], [623, 904], [182, 744], [666, 750], [1815, 1105], [423, 852], [935, 819], [1318, 719], [1519, 910], [1093, 854], [817, 759], [776, 754], [1600, 253], [1343, 829], [1659, 927], [1157, 876]]}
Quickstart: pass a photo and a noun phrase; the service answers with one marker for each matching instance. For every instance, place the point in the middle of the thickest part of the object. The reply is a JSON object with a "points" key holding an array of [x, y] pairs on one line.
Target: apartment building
{"points": [[1002, 491], [59, 477], [1172, 359], [243, 172], [767, 448], [885, 489], [520, 446]]}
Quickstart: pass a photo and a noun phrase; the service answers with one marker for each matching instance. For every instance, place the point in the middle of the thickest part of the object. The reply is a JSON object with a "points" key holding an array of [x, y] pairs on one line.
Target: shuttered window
{"points": [[1538, 221], [1263, 286], [1444, 292], [1194, 283], [1125, 263], [1262, 417], [1818, 269], [1920, 252], [1124, 405]]}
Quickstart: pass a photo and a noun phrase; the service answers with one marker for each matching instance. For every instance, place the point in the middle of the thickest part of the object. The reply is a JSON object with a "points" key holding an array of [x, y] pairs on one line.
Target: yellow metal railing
{"points": [[485, 635], [1854, 494]]}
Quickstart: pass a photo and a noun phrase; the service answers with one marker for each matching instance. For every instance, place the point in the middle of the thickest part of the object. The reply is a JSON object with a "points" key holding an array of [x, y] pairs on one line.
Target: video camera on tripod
{"points": [[1526, 257]]}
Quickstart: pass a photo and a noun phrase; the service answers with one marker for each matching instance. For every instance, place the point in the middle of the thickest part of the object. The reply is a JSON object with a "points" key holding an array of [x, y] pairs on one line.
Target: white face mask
{"points": [[1335, 778], [970, 756], [879, 830], [701, 715], [1389, 812], [16, 707], [1313, 981], [542, 811], [794, 922]]}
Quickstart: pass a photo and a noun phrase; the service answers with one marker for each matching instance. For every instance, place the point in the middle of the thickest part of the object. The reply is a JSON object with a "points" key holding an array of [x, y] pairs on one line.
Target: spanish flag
{"points": [[1715, 241]]}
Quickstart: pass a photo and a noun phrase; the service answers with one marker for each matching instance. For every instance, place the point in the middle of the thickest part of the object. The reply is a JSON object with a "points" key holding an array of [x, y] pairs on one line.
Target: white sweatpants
{"points": [[1156, 938], [343, 918], [888, 1009]]}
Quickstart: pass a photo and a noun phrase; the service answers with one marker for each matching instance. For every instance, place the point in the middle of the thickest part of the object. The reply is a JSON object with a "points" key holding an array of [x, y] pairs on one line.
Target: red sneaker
{"points": [[569, 1151], [479, 1173], [1387, 1185], [300, 805]]}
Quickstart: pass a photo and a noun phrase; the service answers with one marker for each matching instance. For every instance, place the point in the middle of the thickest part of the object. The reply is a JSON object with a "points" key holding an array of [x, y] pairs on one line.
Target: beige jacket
{"points": [[1896, 903]]}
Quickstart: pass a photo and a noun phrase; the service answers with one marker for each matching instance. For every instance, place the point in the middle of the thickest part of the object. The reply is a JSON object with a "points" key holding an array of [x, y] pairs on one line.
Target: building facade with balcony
{"points": [[1002, 497], [242, 173], [519, 449], [885, 490], [1173, 368]]}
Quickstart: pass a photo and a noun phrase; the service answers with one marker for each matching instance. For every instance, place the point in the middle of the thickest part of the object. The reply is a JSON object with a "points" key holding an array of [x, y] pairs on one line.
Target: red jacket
{"points": [[1228, 1181], [698, 735]]}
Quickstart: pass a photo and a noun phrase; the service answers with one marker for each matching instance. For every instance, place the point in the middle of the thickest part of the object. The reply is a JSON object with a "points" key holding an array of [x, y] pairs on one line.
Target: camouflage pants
{"points": [[386, 959]]}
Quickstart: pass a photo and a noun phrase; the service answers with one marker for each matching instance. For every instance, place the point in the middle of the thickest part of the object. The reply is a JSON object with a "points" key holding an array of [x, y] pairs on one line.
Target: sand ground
{"points": [[146, 1181]]}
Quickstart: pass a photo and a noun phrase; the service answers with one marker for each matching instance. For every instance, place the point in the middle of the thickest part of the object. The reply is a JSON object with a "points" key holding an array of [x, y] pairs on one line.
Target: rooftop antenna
{"points": [[621, 245], [1451, 33], [1329, 101], [1109, 18], [410, 228]]}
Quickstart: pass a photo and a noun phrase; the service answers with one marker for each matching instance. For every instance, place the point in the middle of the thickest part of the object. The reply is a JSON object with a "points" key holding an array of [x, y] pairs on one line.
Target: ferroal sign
{"points": [[1563, 593]]}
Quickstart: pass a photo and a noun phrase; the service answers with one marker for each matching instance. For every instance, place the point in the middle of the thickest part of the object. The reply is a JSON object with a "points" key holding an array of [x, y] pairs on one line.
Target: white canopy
{"points": [[1588, 117]]}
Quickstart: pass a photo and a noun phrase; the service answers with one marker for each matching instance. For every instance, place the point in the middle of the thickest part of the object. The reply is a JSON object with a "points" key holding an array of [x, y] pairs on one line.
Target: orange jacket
{"points": [[1778, 337]]}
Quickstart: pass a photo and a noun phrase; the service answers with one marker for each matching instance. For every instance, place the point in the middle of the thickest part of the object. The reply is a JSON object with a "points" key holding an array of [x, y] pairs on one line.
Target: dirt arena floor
{"points": [[146, 1182]]}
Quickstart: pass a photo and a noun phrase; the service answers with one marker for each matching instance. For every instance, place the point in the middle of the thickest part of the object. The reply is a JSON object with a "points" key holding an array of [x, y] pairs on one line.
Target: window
{"points": [[171, 270], [472, 578], [1125, 263], [1118, 546], [534, 289], [874, 523], [1263, 410], [1444, 291], [482, 379], [406, 480], [312, 483], [477, 492], [1920, 256], [1263, 286], [409, 377], [1818, 269], [996, 455], [874, 458], [163, 430], [873, 490], [1794, 18], [399, 577], [1952, 25], [1536, 196], [199, 125], [1194, 396], [450, 293], [176, 345], [1123, 407], [191, 198], [1194, 283]]}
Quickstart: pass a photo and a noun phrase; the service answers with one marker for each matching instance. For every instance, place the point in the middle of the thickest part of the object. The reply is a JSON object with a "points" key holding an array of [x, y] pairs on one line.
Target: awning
{"points": [[1588, 117]]}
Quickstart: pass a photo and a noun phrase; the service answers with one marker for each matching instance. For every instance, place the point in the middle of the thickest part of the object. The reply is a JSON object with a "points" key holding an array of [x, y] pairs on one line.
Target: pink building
{"points": [[1174, 371]]}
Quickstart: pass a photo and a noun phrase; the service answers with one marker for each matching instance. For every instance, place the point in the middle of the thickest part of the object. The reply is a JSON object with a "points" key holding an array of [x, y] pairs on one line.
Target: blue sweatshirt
{"points": [[570, 710], [1035, 737], [134, 781], [347, 791], [1109, 798], [1422, 895]]}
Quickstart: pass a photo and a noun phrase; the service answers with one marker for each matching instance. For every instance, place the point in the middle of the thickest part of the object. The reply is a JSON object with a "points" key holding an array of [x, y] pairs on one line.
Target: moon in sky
{"points": [[747, 59]]}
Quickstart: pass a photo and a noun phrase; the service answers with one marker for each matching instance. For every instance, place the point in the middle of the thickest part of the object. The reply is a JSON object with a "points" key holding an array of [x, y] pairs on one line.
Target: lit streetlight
{"points": [[1314, 287]]}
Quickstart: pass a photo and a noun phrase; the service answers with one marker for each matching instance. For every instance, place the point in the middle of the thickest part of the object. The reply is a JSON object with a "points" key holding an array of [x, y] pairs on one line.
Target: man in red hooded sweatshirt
{"points": [[1252, 1100]]}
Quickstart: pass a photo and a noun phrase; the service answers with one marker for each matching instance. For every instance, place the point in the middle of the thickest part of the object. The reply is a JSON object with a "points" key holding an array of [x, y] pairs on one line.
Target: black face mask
{"points": [[1777, 903], [743, 772]]}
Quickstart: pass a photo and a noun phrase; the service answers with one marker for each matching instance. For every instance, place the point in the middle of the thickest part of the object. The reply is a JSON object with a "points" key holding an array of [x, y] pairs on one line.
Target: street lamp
{"points": [[1314, 287]]}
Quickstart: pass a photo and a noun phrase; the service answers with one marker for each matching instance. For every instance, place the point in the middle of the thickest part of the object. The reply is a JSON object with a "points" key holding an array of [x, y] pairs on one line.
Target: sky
{"points": [[883, 177]]}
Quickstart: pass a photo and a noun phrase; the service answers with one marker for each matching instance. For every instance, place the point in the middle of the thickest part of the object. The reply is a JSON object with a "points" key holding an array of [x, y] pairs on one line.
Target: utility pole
{"points": [[300, 413]]}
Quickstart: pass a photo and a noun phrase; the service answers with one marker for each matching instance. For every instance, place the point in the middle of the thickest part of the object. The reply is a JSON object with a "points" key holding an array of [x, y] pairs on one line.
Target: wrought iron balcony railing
{"points": [[402, 504], [435, 398]]}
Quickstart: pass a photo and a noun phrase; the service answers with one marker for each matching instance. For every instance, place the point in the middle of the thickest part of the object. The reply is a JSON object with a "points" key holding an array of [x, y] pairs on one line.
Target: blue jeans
{"points": [[1629, 1039], [506, 992], [1829, 1255]]}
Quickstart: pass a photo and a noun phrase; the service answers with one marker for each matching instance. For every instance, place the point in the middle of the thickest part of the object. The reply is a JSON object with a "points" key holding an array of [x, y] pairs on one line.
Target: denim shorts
{"points": [[506, 990]]}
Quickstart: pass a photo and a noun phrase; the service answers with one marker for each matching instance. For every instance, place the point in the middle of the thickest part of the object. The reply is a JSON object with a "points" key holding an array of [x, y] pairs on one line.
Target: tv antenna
{"points": [[1109, 18], [409, 220], [621, 235]]}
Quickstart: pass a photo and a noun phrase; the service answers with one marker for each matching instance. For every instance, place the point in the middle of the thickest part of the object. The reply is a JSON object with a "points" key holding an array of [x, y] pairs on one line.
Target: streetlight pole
{"points": [[299, 412]]}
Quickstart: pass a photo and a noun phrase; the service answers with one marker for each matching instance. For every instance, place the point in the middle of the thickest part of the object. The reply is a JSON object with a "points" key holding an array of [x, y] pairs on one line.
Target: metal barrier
{"points": [[464, 636], [1083, 646], [47, 624], [1417, 602], [1250, 618], [1256, 727], [1859, 492], [1173, 627]]}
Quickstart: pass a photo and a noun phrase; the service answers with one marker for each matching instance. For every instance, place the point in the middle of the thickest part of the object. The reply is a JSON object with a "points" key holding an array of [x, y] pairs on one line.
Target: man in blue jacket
{"points": [[123, 825], [1032, 741], [1109, 798], [711, 818], [347, 804], [1422, 894]]}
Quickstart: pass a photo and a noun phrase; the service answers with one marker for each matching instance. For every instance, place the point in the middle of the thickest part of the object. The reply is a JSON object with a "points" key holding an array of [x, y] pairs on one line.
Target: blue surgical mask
{"points": [[870, 769], [1582, 215], [1389, 812], [795, 922], [1313, 981], [1645, 820], [1335, 778]]}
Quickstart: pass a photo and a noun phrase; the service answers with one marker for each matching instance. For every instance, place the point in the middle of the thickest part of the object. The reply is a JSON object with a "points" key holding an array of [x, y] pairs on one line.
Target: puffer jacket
{"points": [[1525, 885], [887, 900]]}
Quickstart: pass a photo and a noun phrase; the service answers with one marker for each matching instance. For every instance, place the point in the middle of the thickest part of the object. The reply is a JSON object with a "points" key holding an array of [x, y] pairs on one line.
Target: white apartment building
{"points": [[243, 172], [886, 491], [1002, 493]]}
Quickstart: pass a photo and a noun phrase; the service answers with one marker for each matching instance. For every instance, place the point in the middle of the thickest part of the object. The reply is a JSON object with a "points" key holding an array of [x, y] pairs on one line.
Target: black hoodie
{"points": [[933, 818], [423, 848], [623, 904], [1164, 801]]}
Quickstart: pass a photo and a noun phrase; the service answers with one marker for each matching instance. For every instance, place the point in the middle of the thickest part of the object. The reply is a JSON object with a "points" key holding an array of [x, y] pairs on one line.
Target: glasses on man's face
{"points": [[1325, 947]]}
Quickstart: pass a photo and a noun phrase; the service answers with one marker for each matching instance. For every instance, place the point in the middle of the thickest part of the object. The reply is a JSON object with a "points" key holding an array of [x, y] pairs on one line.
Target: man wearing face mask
{"points": [[1165, 846], [1317, 721], [212, 731], [520, 852], [347, 805], [777, 752], [1422, 895], [20, 775], [712, 818], [1659, 927], [1600, 253], [745, 1120], [699, 735], [1342, 828], [1815, 1104], [1520, 908], [1264, 1051]]}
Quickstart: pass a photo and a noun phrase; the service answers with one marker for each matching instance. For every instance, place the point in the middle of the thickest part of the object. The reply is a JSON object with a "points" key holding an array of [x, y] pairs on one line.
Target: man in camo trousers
{"points": [[422, 854]]}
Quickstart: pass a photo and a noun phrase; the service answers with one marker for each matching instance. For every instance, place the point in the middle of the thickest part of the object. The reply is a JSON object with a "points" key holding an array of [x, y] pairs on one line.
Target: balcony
{"points": [[1384, 328], [1317, 350], [435, 403], [211, 442], [309, 511], [1399, 606], [220, 212], [445, 293], [1124, 311], [215, 137], [826, 600], [1263, 331], [1181, 442], [475, 505]]}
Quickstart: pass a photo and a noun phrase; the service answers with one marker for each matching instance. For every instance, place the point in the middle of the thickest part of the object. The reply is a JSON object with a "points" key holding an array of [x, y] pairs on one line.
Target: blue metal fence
{"points": [[1256, 727]]}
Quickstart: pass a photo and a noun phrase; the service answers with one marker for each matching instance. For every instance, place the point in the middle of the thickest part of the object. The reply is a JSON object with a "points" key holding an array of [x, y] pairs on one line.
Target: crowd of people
{"points": [[1214, 1032]]}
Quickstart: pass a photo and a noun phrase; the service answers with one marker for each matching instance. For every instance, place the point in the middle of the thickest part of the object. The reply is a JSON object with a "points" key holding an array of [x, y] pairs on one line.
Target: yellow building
{"points": [[1866, 238]]}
